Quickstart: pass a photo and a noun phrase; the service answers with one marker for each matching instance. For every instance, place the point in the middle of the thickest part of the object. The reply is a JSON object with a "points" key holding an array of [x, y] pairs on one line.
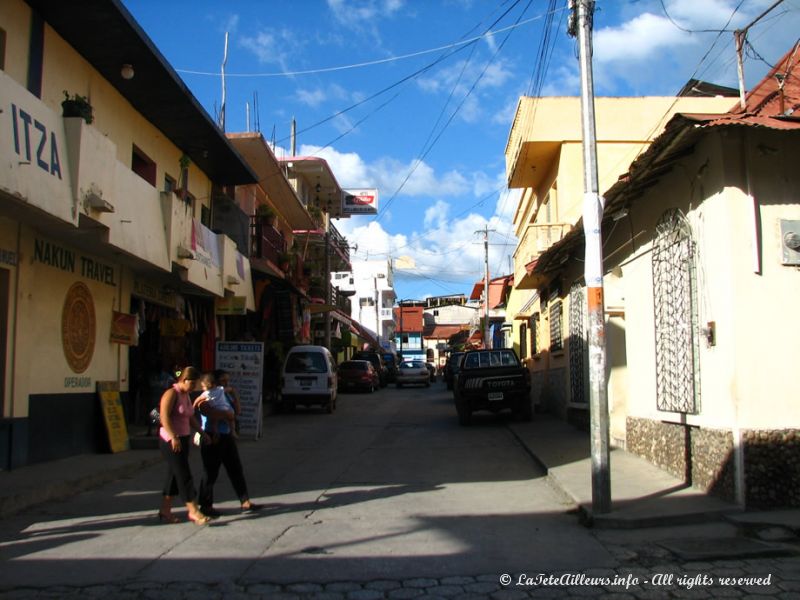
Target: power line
{"points": [[367, 63]]}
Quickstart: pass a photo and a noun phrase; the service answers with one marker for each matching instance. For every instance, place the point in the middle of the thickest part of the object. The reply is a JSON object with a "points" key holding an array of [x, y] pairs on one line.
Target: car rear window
{"points": [[306, 362], [355, 365], [500, 358]]}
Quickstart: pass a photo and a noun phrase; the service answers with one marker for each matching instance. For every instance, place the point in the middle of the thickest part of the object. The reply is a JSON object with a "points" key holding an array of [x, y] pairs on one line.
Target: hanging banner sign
{"points": [[244, 362], [360, 202], [232, 305], [124, 329], [113, 415]]}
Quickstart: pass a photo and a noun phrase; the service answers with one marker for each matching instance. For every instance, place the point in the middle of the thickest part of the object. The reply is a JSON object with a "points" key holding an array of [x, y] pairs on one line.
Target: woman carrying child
{"points": [[216, 404]]}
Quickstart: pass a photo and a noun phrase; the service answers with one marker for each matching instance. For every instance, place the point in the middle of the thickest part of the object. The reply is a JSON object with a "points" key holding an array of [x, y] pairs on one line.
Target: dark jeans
{"points": [[223, 452], [179, 475]]}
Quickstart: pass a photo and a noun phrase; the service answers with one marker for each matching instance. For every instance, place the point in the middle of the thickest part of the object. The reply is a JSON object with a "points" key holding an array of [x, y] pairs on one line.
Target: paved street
{"points": [[387, 498]]}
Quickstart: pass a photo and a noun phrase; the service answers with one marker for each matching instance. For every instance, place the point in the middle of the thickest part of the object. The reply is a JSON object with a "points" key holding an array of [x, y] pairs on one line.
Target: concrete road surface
{"points": [[389, 486]]}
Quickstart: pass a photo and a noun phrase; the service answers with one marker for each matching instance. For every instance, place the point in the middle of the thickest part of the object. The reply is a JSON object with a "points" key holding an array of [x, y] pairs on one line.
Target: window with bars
{"points": [[523, 341], [556, 326], [534, 328]]}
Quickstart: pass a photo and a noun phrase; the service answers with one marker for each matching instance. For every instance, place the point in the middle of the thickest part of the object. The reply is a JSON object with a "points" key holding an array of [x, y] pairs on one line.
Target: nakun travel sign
{"points": [[360, 202]]}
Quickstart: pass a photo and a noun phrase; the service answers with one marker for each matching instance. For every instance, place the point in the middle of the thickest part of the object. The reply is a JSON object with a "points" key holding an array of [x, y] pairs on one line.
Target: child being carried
{"points": [[218, 402]]}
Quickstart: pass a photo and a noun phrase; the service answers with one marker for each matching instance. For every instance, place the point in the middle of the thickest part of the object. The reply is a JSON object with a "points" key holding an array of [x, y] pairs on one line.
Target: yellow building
{"points": [[105, 224], [544, 160]]}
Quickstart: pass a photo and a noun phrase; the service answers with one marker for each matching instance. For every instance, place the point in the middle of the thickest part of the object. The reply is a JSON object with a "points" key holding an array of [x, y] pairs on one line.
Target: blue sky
{"points": [[416, 97]]}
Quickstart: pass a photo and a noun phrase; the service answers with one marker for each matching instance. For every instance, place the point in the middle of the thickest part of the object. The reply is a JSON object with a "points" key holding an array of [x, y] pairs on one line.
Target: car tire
{"points": [[398, 385], [427, 384]]}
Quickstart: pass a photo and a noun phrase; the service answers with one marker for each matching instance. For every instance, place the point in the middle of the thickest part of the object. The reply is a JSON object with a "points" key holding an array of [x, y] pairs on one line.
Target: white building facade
{"points": [[372, 286]]}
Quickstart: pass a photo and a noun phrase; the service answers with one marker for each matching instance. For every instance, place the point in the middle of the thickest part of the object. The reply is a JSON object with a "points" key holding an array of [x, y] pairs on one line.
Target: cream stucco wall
{"points": [[15, 16], [40, 365], [745, 377]]}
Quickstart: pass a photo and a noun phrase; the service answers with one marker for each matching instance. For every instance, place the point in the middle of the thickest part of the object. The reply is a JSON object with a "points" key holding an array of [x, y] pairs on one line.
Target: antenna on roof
{"points": [[222, 105]]}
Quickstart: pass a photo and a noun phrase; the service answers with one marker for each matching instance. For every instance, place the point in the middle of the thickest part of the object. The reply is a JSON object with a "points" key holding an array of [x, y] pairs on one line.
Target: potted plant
{"points": [[76, 106], [266, 214], [316, 214]]}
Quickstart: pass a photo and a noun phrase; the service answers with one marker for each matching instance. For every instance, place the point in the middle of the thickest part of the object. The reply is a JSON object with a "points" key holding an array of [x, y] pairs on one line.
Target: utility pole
{"points": [[486, 341], [739, 37], [581, 27]]}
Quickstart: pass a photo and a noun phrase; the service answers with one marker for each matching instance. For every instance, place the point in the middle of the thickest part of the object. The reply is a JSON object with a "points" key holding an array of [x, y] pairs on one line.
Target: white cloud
{"points": [[311, 98], [359, 12], [638, 39], [388, 174], [271, 46]]}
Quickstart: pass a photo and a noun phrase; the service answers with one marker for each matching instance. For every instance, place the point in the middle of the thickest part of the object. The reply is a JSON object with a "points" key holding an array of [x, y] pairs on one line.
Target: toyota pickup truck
{"points": [[492, 380]]}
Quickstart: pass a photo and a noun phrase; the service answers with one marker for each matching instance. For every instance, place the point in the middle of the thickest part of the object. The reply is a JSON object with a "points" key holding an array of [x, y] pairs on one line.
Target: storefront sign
{"points": [[70, 261], [244, 362], [113, 415], [33, 143], [124, 329], [360, 202], [78, 327], [232, 305], [154, 293]]}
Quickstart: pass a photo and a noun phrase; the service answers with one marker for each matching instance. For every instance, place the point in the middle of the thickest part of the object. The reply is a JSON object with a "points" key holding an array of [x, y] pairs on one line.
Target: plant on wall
{"points": [[77, 106]]}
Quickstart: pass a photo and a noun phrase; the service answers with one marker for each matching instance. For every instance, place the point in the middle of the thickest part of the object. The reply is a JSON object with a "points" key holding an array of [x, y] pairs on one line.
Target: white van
{"points": [[308, 378]]}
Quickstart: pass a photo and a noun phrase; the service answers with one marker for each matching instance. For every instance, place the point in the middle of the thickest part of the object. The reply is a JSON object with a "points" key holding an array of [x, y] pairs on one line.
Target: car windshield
{"points": [[306, 362], [498, 358]]}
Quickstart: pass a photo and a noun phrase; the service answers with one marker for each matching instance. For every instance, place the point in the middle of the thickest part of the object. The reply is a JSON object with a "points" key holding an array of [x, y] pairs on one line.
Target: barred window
{"points": [[534, 327], [523, 341], [556, 329]]}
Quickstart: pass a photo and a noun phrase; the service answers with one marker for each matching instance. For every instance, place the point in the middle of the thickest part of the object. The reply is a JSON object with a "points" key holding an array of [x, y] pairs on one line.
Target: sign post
{"points": [[244, 362]]}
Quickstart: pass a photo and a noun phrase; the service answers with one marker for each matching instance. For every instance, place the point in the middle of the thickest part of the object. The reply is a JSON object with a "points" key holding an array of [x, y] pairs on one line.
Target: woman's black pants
{"points": [[179, 475], [221, 453]]}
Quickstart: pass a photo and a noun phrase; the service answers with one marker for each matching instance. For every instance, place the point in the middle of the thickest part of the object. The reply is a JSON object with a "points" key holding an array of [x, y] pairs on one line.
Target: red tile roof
{"points": [[443, 332]]}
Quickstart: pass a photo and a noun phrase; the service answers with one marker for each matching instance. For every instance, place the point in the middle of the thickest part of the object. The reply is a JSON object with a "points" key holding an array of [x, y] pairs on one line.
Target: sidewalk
{"points": [[642, 495]]}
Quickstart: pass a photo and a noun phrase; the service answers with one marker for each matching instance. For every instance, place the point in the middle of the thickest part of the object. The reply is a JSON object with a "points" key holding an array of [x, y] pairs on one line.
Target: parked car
{"points": [[451, 368], [358, 375], [413, 371], [308, 378], [492, 380], [377, 361]]}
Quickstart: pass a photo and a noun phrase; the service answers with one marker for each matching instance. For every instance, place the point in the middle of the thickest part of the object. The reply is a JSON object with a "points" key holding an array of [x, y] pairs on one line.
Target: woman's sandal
{"points": [[200, 520], [169, 519]]}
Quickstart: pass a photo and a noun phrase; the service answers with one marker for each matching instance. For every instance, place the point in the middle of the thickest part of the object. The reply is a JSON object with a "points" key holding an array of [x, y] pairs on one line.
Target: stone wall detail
{"points": [[705, 458], [772, 468]]}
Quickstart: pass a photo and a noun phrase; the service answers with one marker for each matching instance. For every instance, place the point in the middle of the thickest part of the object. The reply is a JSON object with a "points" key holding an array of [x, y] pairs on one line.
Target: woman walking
{"points": [[177, 423]]}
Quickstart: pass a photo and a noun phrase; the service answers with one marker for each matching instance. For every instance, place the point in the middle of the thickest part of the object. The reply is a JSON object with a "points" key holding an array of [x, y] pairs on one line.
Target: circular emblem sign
{"points": [[78, 327]]}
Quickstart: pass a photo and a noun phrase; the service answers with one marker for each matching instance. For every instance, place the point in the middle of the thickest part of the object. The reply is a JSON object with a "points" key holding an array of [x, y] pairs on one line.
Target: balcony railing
{"points": [[538, 237], [266, 242]]}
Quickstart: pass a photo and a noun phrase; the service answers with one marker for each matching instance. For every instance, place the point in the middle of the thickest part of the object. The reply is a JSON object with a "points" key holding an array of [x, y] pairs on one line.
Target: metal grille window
{"points": [[578, 349], [675, 307], [523, 341], [534, 327], [556, 336]]}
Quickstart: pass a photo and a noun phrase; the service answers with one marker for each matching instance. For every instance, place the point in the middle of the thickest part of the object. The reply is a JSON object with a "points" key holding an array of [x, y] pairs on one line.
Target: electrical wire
{"points": [[370, 63]]}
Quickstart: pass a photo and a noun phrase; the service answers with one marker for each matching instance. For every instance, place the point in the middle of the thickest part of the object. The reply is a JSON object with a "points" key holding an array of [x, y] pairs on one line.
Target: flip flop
{"points": [[167, 519]]}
